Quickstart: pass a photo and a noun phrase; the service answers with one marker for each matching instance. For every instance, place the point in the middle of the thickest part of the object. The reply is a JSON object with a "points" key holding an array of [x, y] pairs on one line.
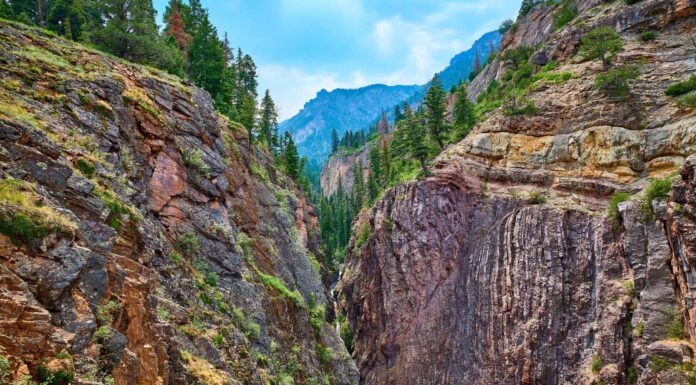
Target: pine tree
{"points": [[334, 141], [66, 18], [602, 43], [207, 60], [398, 115], [5, 10], [176, 28], [358, 187], [375, 175], [464, 114], [247, 114], [477, 61], [268, 121], [130, 32], [435, 107], [385, 163], [290, 158]]}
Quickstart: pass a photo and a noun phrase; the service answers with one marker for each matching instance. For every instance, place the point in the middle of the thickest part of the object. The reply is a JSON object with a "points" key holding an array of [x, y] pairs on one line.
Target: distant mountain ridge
{"points": [[356, 109], [342, 109]]}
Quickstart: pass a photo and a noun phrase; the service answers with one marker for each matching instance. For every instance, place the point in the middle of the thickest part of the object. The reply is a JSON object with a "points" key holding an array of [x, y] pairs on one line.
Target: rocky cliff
{"points": [[503, 267], [341, 167], [143, 240]]}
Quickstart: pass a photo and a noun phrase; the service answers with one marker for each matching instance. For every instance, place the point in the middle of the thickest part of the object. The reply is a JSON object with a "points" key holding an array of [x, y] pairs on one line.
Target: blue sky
{"points": [[302, 46]]}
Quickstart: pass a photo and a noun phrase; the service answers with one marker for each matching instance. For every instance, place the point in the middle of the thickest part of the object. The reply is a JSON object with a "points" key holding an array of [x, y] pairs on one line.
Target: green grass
{"points": [[675, 328], [363, 235], [36, 54], [194, 160], [613, 207], [86, 167], [658, 189], [24, 217], [278, 285], [317, 318]]}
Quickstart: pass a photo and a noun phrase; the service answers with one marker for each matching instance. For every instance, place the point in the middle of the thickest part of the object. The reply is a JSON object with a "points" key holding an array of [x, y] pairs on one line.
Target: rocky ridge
{"points": [[503, 268], [145, 241]]}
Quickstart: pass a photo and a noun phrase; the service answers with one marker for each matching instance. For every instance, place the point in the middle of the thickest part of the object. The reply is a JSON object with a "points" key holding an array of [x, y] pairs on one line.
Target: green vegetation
{"points": [[363, 235], [86, 167], [536, 198], [4, 368], [435, 111], [567, 11], [615, 82], [657, 189], [317, 317], [602, 43], [629, 287], [632, 375], [346, 332], [647, 35], [211, 279], [613, 206], [105, 313], [24, 217], [188, 243], [682, 87], [58, 377], [194, 160], [325, 354], [277, 284], [102, 334], [596, 364], [675, 328]]}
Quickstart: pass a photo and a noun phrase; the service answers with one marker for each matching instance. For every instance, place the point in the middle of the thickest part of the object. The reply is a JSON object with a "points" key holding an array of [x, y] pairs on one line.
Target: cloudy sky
{"points": [[302, 46]]}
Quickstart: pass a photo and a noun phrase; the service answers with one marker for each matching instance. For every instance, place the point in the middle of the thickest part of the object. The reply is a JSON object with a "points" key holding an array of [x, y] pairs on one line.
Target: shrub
{"points": [[205, 298], [596, 365], [325, 354], [218, 340], [601, 43], [687, 101], [188, 243], [251, 329], [629, 287], [675, 328], [657, 189], [632, 375], [278, 285], [86, 167], [194, 160], [682, 88], [505, 26], [613, 206], [4, 368], [105, 313], [58, 377], [566, 13], [23, 216], [615, 82], [640, 329], [515, 104], [647, 36], [211, 279], [102, 334], [536, 198], [317, 317], [363, 235]]}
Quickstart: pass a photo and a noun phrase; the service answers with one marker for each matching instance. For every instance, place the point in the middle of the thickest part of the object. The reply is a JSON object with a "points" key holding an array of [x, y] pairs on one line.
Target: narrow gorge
{"points": [[146, 238]]}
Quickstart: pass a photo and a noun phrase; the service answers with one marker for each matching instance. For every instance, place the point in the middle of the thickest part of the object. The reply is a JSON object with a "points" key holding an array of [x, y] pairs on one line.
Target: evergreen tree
{"points": [[358, 188], [130, 32], [602, 43], [247, 114], [66, 18], [385, 163], [435, 107], [207, 60], [290, 158], [464, 113], [268, 121], [398, 115], [334, 141], [375, 176], [176, 28]]}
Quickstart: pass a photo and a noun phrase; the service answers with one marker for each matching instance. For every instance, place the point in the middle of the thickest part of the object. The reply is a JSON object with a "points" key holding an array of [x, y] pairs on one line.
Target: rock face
{"points": [[340, 168], [145, 241], [502, 267]]}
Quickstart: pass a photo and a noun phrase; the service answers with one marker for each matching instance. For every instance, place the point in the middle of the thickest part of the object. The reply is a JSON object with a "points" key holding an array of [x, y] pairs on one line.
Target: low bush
{"points": [[536, 198], [682, 88], [613, 206], [647, 36], [657, 189], [615, 82], [596, 365]]}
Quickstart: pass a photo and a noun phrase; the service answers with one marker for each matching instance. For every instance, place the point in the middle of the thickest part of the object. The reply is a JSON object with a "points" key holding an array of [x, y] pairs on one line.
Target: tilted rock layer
{"points": [[465, 279], [147, 241]]}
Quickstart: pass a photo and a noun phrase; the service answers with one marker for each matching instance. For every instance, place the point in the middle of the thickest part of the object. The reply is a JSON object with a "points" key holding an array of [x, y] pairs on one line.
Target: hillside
{"points": [[555, 243], [143, 240]]}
